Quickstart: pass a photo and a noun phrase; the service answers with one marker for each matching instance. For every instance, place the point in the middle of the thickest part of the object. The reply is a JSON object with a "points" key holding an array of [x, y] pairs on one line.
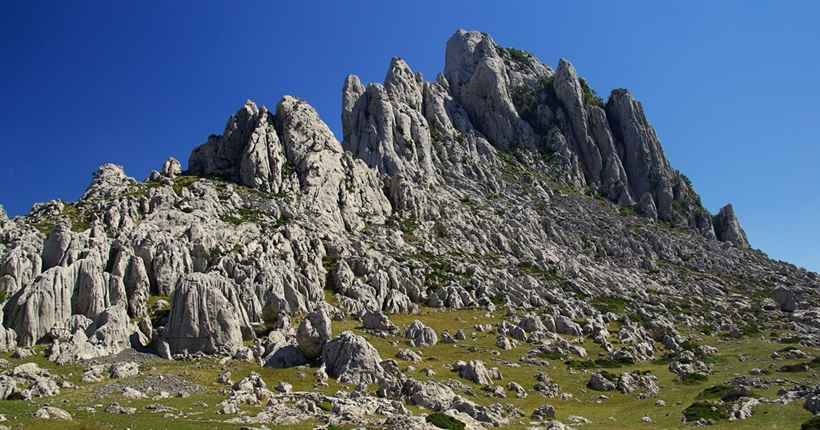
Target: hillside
{"points": [[500, 221]]}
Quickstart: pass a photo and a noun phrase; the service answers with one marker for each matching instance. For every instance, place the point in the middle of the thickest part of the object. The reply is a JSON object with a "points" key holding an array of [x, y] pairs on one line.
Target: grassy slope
{"points": [[619, 411]]}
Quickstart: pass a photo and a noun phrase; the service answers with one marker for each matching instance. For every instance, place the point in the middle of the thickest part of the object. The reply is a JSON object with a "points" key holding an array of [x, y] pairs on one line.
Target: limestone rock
{"points": [[785, 298], [376, 320], [313, 332], [476, 371], [52, 413], [599, 382], [421, 336], [171, 168], [543, 412], [351, 359], [479, 80], [109, 181], [206, 316], [110, 333], [728, 229], [80, 288]]}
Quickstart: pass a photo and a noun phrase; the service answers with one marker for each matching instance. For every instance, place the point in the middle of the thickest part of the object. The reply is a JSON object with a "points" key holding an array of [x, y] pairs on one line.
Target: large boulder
{"points": [[420, 335], [599, 382], [785, 298], [205, 316], [313, 332], [476, 371], [352, 360], [377, 320]]}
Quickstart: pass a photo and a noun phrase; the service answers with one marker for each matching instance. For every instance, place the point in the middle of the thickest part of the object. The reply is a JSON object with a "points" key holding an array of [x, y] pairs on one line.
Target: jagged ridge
{"points": [[463, 192]]}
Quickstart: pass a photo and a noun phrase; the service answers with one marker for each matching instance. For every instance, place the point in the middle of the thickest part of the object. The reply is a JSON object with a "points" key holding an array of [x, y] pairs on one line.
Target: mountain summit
{"points": [[503, 187]]}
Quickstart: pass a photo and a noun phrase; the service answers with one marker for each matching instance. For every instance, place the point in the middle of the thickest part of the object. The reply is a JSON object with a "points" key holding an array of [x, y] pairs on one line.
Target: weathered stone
{"points": [[351, 359], [206, 316], [313, 332]]}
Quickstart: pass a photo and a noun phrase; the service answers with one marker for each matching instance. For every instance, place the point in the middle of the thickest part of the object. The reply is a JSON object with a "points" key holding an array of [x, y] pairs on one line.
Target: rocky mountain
{"points": [[502, 185]]}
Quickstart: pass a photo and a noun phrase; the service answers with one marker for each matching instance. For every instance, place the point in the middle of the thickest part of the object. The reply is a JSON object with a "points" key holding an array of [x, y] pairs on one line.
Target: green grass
{"points": [[627, 410]]}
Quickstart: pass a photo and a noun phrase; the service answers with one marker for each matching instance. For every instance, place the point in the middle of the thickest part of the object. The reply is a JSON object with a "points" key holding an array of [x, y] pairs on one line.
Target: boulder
{"points": [[51, 413], [421, 336], [728, 229], [352, 360], [543, 412], [599, 382], [785, 298], [377, 320], [476, 371], [206, 316], [313, 332]]}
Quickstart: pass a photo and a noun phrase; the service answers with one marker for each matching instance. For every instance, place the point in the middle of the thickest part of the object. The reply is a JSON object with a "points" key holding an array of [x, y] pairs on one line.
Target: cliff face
{"points": [[500, 181]]}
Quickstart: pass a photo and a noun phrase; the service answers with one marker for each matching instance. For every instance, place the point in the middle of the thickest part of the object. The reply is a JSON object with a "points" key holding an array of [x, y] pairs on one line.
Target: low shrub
{"points": [[705, 410], [443, 421], [692, 379]]}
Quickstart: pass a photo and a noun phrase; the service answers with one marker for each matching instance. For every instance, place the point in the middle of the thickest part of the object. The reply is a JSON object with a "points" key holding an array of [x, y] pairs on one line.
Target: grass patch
{"points": [[610, 304]]}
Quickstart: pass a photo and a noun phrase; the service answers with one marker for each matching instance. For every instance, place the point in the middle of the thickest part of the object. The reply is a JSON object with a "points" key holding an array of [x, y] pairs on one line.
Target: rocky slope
{"points": [[501, 184]]}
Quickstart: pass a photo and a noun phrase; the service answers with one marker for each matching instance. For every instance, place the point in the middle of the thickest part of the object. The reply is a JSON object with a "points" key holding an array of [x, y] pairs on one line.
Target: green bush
{"points": [[706, 410], [692, 379], [517, 54], [440, 229], [443, 421], [325, 406], [715, 392], [270, 314]]}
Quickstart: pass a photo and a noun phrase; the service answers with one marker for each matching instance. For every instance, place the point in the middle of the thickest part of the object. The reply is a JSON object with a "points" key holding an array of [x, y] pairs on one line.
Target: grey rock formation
{"points": [[728, 229], [51, 413], [171, 168], [314, 331], [79, 288], [599, 382], [351, 359], [420, 335], [376, 320], [473, 189], [543, 412], [785, 299], [110, 333], [476, 371], [206, 316], [480, 81]]}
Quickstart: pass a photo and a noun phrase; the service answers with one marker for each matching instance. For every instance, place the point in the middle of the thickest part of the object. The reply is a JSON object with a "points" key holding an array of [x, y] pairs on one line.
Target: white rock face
{"points": [[60, 292], [480, 81], [206, 316], [450, 193]]}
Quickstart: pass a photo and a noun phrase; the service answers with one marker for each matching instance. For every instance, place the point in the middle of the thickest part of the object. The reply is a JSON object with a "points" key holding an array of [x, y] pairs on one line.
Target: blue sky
{"points": [[732, 88]]}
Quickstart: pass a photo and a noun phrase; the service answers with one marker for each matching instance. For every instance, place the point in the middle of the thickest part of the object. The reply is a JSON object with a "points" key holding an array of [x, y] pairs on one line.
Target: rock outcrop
{"points": [[205, 316], [313, 332], [727, 228], [352, 359]]}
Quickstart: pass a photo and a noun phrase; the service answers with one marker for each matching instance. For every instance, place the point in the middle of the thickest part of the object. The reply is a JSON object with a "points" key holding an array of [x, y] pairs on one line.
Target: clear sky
{"points": [[732, 88]]}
